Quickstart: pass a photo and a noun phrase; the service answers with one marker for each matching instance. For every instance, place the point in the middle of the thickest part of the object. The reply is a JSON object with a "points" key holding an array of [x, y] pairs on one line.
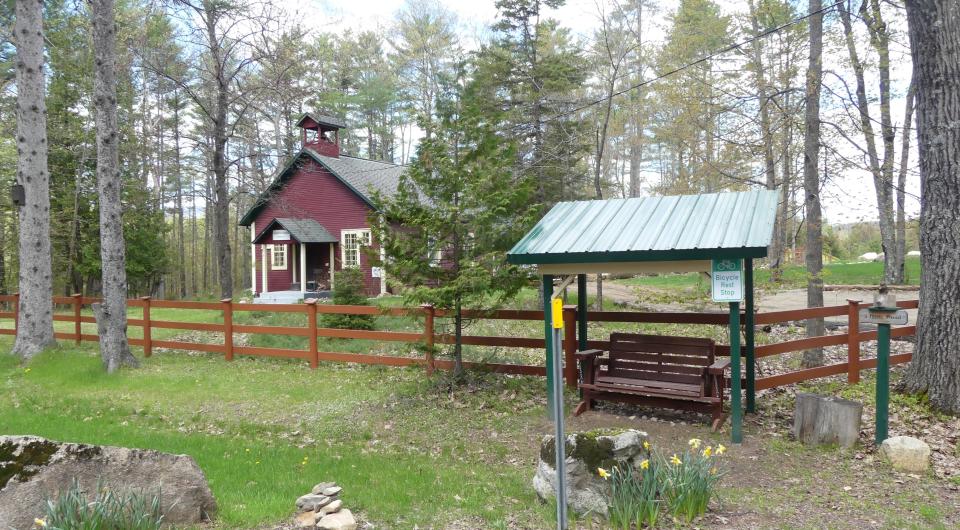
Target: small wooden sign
{"points": [[893, 318]]}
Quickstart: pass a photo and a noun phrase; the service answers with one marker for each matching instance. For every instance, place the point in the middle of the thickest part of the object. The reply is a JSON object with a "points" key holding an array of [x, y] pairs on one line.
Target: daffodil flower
{"points": [[645, 464], [721, 449], [695, 443], [646, 445], [40, 522], [604, 474], [708, 451], [674, 460]]}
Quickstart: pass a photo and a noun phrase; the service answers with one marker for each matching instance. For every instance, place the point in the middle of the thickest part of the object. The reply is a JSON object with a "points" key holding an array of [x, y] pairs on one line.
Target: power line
{"points": [[701, 60]]}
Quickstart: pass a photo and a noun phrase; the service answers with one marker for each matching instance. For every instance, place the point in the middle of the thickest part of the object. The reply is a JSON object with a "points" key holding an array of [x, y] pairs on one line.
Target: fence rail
{"points": [[428, 338]]}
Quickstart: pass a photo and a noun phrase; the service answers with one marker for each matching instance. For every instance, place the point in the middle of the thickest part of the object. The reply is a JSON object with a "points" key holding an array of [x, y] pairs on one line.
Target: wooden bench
{"points": [[670, 372]]}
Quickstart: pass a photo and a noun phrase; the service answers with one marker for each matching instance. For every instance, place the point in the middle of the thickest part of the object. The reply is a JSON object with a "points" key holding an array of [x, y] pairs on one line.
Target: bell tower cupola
{"points": [[321, 133]]}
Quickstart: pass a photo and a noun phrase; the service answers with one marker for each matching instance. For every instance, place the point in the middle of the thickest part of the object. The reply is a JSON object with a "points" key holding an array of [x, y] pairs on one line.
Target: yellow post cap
{"points": [[557, 313]]}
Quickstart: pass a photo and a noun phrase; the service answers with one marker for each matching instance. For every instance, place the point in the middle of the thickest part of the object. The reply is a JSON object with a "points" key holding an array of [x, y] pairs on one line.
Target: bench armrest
{"points": [[588, 354], [719, 366]]}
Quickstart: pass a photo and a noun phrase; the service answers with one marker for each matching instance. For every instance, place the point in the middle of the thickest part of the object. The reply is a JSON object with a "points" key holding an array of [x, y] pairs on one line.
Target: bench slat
{"points": [[689, 360], [652, 366], [600, 389], [651, 375], [652, 383]]}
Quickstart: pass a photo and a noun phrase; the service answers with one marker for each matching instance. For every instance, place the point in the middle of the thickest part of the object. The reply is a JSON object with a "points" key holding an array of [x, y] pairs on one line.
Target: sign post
{"points": [[883, 317], [556, 307], [726, 282]]}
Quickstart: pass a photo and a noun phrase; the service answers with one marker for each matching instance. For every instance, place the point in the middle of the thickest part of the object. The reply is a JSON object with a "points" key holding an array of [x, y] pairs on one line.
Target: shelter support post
{"points": [[581, 312], [547, 288], [736, 401], [748, 323], [883, 383]]}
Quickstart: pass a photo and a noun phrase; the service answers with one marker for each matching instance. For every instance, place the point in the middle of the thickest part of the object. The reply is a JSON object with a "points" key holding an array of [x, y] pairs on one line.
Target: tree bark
{"points": [[112, 312], [811, 183], [934, 28], [35, 329]]}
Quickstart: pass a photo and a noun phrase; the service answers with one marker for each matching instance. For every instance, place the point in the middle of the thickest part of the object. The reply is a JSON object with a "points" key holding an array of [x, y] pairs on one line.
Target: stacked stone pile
{"points": [[323, 509]]}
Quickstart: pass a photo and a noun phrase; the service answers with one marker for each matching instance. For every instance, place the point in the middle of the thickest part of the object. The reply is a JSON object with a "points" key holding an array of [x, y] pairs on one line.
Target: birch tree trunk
{"points": [[811, 183], [900, 273], [112, 312], [934, 28], [35, 329]]}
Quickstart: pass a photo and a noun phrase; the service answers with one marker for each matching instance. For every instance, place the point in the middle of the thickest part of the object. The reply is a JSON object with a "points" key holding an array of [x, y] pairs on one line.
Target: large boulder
{"points": [[585, 452], [906, 453], [34, 469]]}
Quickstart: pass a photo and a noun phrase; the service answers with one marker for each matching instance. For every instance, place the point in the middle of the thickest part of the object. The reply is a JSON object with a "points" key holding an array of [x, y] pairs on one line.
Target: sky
{"points": [[847, 198]]}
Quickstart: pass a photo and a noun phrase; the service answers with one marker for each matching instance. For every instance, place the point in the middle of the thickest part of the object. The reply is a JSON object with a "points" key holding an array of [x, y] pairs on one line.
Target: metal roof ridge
{"points": [[659, 199], [687, 220], [728, 224], [664, 226], [623, 202], [703, 229], [589, 205]]}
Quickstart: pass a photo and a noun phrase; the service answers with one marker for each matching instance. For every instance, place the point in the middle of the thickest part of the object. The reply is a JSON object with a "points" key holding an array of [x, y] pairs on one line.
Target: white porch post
{"points": [[383, 272], [253, 258], [303, 268], [293, 262], [332, 260], [263, 272]]}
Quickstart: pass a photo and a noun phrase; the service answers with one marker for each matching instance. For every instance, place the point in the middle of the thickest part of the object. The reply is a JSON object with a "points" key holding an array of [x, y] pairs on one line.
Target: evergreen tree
{"points": [[458, 210]]}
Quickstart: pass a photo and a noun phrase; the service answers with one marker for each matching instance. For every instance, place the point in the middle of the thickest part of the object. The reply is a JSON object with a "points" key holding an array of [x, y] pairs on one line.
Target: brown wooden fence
{"points": [[428, 338]]}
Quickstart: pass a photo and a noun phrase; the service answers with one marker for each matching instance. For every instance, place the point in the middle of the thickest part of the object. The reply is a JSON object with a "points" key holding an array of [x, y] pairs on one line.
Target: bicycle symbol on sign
{"points": [[727, 265]]}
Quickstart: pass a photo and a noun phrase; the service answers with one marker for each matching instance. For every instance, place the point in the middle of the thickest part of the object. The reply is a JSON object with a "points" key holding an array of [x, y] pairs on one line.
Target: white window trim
{"points": [[364, 237], [273, 256]]}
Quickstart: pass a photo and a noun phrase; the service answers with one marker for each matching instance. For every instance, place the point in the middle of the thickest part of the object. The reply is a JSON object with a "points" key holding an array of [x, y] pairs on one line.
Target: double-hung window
{"points": [[278, 257], [351, 241]]}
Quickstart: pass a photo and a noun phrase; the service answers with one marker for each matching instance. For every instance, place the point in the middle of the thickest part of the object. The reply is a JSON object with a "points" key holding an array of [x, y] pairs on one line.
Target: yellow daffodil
{"points": [[645, 464], [708, 451], [646, 445], [604, 474], [713, 471], [695, 443], [674, 460], [40, 522], [721, 449]]}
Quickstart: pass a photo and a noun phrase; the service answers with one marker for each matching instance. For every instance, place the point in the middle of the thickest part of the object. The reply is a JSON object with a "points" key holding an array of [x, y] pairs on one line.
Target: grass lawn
{"points": [[794, 277], [264, 431]]}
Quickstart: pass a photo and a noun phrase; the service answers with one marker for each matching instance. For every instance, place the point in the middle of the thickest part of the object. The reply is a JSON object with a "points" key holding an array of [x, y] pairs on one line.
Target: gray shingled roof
{"points": [[364, 177], [323, 119], [302, 230]]}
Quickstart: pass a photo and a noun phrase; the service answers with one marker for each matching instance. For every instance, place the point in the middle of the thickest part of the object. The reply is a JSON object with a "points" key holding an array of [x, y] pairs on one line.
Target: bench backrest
{"points": [[658, 358]]}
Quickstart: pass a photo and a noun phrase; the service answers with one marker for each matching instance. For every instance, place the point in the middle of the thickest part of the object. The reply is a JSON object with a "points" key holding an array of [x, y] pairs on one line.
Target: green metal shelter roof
{"points": [[671, 228]]}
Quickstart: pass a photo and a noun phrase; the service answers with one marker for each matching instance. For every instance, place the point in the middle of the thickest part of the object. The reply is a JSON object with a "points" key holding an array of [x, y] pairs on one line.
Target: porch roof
{"points": [[302, 230]]}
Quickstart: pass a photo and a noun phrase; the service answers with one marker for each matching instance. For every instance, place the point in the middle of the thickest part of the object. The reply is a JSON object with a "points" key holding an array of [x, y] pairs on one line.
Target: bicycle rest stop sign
{"points": [[726, 280]]}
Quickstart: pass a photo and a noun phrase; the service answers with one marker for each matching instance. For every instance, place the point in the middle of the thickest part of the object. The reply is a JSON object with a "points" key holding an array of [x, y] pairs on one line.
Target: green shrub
{"points": [[73, 509], [348, 290]]}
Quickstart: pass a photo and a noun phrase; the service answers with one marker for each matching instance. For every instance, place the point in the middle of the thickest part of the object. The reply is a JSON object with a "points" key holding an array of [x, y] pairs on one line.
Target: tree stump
{"points": [[826, 420]]}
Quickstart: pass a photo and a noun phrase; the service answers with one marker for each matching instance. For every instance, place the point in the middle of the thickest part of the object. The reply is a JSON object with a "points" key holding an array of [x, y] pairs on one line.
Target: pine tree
{"points": [[458, 210]]}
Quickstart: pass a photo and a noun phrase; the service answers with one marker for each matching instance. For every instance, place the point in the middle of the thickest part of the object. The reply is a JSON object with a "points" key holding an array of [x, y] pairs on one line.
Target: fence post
{"points": [[312, 323], [227, 328], [76, 316], [853, 341], [147, 338], [570, 345], [428, 335], [16, 312]]}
